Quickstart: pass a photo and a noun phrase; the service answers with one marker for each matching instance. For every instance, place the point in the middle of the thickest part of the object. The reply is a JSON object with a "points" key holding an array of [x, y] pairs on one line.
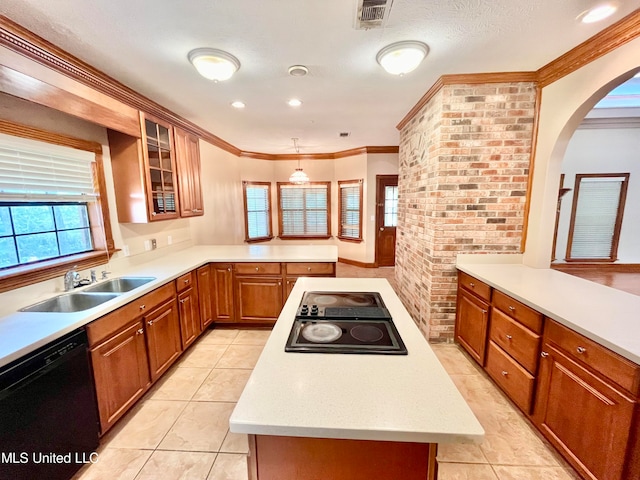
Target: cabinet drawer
{"points": [[265, 268], [185, 281], [112, 322], [310, 268], [474, 285], [519, 342], [512, 378], [601, 359], [525, 315]]}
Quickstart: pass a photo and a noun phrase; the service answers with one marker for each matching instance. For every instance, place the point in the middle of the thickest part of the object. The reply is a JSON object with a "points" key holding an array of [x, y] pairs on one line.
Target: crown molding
{"points": [[321, 156]]}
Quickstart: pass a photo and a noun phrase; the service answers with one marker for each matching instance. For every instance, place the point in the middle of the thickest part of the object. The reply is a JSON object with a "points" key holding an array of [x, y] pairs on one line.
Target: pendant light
{"points": [[298, 176]]}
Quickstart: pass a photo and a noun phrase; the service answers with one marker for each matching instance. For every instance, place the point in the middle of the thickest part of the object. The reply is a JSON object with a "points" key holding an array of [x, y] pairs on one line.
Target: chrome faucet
{"points": [[71, 279], [93, 276]]}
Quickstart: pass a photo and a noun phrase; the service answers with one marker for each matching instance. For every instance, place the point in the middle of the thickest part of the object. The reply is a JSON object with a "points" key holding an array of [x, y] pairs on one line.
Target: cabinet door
{"points": [[259, 299], [204, 296], [471, 324], [121, 373], [188, 165], [584, 417], [289, 283], [163, 337], [222, 293], [189, 317]]}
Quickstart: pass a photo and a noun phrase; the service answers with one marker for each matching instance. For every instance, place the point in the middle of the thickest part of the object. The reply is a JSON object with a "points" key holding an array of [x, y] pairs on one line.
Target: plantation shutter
{"points": [[304, 210], [31, 170]]}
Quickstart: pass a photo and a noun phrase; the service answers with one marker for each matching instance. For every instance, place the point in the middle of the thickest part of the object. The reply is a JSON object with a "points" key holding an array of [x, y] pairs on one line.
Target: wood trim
{"points": [[465, 79], [598, 267], [561, 192], [360, 182], [246, 216], [356, 263], [321, 156], [602, 43], [33, 133], [304, 237]]}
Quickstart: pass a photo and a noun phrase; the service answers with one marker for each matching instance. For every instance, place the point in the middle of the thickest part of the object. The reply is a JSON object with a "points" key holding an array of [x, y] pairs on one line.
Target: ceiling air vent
{"points": [[372, 13]]}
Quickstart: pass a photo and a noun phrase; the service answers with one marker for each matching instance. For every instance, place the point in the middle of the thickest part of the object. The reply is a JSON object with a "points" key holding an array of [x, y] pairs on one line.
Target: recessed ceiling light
{"points": [[294, 102], [598, 13], [214, 64], [298, 70], [402, 57], [238, 104]]}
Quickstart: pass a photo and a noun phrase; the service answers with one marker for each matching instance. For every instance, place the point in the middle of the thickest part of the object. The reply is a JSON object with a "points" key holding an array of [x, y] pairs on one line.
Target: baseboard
{"points": [[600, 267], [357, 263]]}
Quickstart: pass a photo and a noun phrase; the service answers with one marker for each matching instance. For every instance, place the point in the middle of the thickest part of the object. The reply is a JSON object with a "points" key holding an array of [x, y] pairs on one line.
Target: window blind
{"points": [[304, 210], [258, 212], [350, 209], [31, 170], [596, 215]]}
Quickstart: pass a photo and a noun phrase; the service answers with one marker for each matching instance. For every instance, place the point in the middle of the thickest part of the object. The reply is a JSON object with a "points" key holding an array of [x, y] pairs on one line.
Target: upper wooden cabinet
{"points": [[187, 150], [144, 172]]}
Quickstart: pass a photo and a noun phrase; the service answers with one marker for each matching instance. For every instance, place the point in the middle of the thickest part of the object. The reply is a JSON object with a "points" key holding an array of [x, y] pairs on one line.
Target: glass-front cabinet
{"points": [[161, 169]]}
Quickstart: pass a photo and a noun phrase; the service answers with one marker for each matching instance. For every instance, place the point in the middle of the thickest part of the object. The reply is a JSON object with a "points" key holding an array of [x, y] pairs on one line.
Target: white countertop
{"points": [[406, 398], [24, 332], [607, 316]]}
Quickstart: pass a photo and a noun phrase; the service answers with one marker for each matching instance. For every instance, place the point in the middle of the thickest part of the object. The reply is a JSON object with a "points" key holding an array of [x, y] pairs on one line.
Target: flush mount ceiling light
{"points": [[294, 102], [402, 57], [298, 176], [214, 64], [238, 104], [298, 70], [597, 13]]}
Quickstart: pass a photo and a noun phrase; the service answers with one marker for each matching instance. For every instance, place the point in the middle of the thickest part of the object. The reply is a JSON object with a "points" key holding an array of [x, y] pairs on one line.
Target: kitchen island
{"points": [[350, 416]]}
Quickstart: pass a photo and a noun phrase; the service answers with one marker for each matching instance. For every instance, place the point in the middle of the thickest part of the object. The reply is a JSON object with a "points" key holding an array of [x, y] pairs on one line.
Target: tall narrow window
{"points": [[304, 210], [390, 206], [596, 216], [257, 211], [350, 208]]}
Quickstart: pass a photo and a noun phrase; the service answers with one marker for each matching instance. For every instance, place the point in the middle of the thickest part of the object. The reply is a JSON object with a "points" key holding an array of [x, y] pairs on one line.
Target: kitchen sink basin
{"points": [[70, 302], [120, 285]]}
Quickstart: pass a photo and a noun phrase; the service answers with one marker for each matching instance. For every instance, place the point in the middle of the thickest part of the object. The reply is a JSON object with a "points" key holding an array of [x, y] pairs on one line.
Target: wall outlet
{"points": [[169, 239], [154, 244], [125, 250], [147, 245]]}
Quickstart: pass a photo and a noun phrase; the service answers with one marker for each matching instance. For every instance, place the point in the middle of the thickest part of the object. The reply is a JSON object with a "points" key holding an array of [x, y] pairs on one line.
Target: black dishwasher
{"points": [[48, 412]]}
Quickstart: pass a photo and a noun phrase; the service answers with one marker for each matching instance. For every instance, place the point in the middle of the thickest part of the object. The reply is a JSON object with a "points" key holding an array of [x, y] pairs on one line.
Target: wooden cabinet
{"points": [[120, 372], [258, 299], [189, 310], [205, 296], [584, 414], [163, 337], [187, 150], [295, 270], [472, 317], [222, 292], [145, 172]]}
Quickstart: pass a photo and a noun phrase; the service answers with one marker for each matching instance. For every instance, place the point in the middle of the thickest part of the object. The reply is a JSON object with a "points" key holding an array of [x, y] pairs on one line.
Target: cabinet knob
{"points": [[229, 269], [308, 269], [512, 308], [471, 284], [544, 354], [509, 337], [183, 300], [186, 281], [140, 331], [143, 306], [279, 283], [504, 373], [257, 268], [150, 323], [484, 312], [581, 350]]}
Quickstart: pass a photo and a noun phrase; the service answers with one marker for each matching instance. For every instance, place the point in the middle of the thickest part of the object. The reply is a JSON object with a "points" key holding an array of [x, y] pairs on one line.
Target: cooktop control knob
{"points": [[314, 309], [304, 310]]}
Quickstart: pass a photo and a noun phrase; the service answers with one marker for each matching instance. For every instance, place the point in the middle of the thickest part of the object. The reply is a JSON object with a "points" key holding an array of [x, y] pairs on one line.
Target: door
{"points": [[386, 219]]}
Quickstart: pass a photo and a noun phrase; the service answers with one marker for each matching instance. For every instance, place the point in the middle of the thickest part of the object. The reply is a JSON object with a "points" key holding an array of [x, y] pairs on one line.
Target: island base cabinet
{"points": [[587, 419], [295, 458]]}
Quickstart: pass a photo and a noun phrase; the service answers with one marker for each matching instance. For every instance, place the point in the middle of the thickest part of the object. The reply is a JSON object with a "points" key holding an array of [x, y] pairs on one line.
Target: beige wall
{"points": [[564, 104]]}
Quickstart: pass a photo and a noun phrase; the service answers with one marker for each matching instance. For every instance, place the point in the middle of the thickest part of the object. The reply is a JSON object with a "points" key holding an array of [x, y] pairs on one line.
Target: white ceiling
{"points": [[144, 45]]}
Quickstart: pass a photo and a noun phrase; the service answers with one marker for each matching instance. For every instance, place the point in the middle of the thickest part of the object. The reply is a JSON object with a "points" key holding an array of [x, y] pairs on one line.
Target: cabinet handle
{"points": [[150, 323], [544, 354], [257, 269], [471, 284], [509, 337], [229, 269], [581, 350], [512, 308], [183, 300], [504, 373], [140, 331], [143, 306], [280, 283], [484, 312], [186, 281], [308, 269]]}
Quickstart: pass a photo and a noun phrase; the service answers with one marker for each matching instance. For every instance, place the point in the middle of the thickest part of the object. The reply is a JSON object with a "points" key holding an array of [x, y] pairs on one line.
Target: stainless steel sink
{"points": [[70, 302], [120, 285]]}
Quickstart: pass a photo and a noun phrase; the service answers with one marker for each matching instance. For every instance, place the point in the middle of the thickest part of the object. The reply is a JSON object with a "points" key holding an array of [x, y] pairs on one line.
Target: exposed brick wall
{"points": [[463, 169]]}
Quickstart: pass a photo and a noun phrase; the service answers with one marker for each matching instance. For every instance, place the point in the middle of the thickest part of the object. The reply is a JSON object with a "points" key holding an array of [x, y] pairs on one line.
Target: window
{"points": [[257, 211], [390, 205], [52, 215], [350, 208], [596, 216], [304, 210]]}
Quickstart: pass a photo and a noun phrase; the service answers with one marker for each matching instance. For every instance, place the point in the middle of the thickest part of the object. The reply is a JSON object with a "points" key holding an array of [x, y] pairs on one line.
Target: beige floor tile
{"points": [[201, 427], [219, 336], [517, 448], [235, 443], [454, 361], [533, 473], [465, 471], [229, 466], [477, 389], [148, 425], [240, 356], [180, 383], [252, 337], [120, 463], [460, 453], [177, 466], [203, 355], [500, 419], [223, 385]]}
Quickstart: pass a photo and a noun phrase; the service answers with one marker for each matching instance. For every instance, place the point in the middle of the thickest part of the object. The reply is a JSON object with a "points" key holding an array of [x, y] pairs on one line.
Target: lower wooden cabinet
{"points": [[471, 324], [258, 299], [205, 294], [163, 337], [120, 372], [516, 381], [585, 418], [222, 292]]}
